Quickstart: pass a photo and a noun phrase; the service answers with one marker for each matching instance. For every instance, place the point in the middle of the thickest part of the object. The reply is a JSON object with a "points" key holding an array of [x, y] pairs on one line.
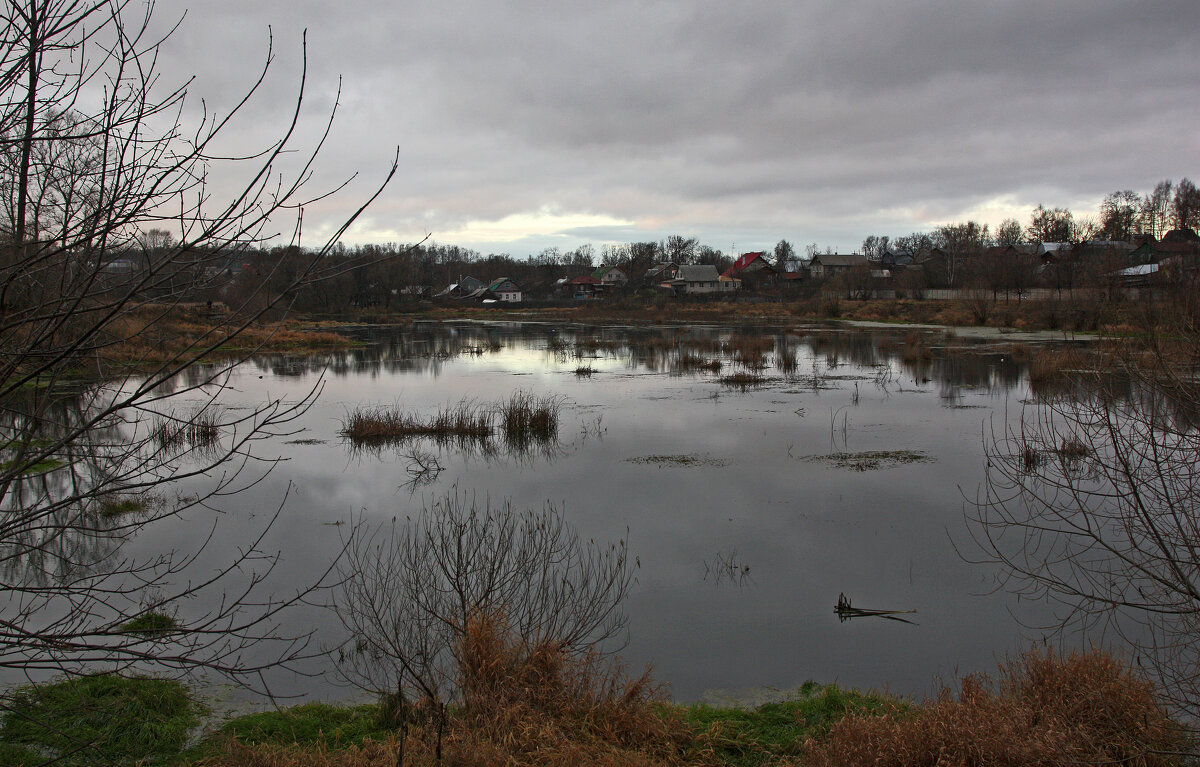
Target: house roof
{"points": [[1181, 235], [757, 260], [698, 273], [839, 259], [603, 270], [1053, 247], [1137, 271], [584, 280], [497, 283]]}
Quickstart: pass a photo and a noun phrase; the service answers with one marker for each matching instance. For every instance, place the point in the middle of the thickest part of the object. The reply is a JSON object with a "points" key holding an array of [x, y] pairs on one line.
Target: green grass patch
{"points": [[32, 444], [310, 724], [120, 507], [150, 624], [869, 460], [20, 756], [763, 735], [100, 720], [679, 460], [40, 467]]}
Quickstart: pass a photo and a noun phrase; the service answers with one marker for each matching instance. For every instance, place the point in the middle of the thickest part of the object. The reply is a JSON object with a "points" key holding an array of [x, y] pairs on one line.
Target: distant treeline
{"points": [[381, 275]]}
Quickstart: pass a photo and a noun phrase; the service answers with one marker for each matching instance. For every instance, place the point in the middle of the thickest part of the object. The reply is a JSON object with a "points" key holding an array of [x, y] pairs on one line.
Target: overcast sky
{"points": [[526, 125]]}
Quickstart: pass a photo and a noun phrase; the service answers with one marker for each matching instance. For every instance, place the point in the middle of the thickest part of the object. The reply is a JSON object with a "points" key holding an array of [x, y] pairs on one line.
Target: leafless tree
{"points": [[1093, 503], [1010, 232], [112, 219], [1050, 225], [409, 590], [1185, 205], [1119, 214], [1156, 210]]}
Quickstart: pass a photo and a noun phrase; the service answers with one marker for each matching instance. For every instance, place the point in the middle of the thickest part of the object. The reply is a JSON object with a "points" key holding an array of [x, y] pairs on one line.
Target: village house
{"points": [[828, 265], [466, 287], [580, 287], [751, 268], [504, 289], [702, 279], [611, 277], [661, 273]]}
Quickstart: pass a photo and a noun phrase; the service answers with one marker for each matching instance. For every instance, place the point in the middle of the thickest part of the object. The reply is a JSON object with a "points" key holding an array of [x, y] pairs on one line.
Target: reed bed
{"points": [[915, 348], [378, 425], [200, 432], [749, 351], [688, 362], [527, 419], [1053, 371], [742, 380], [786, 359]]}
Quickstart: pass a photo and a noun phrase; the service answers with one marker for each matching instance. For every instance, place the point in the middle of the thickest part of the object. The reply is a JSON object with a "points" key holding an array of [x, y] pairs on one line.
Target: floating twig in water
{"points": [[846, 612]]}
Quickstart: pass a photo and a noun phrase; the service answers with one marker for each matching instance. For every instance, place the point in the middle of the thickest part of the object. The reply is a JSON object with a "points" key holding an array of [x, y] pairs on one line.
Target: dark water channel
{"points": [[750, 508]]}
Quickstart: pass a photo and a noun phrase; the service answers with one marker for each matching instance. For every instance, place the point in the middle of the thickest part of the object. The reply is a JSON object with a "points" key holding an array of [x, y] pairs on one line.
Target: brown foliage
{"points": [[540, 699], [1053, 370], [1085, 708], [522, 705]]}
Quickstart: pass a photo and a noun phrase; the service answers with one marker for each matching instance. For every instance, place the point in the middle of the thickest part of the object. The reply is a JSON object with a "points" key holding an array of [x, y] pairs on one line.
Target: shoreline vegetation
{"points": [[155, 335], [538, 705], [527, 707]]}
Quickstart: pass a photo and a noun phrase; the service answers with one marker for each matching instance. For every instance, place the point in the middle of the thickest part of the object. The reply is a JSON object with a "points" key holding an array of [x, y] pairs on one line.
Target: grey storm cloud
{"points": [[812, 120]]}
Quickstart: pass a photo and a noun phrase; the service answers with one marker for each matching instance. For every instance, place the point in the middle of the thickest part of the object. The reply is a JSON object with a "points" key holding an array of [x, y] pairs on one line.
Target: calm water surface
{"points": [[746, 533]]}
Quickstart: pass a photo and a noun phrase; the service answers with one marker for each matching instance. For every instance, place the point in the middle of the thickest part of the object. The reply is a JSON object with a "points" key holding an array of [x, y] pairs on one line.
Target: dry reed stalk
{"points": [[1084, 708]]}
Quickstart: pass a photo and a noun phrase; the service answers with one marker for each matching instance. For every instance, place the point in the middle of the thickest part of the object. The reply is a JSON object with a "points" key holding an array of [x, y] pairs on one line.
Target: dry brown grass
{"points": [[202, 430], [153, 335], [526, 418], [1054, 370], [1047, 709], [915, 348], [523, 705], [690, 362], [375, 425], [742, 380]]}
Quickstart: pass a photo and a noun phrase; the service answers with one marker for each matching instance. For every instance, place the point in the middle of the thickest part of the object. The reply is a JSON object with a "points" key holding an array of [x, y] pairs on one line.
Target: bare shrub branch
{"points": [[411, 588]]}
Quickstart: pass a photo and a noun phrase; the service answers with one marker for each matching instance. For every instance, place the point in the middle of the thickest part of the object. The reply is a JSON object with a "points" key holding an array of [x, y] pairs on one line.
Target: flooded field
{"points": [[758, 476]]}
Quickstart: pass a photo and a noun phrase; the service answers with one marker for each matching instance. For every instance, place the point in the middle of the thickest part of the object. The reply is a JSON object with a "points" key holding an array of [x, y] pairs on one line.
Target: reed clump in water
{"points": [[527, 419], [379, 425]]}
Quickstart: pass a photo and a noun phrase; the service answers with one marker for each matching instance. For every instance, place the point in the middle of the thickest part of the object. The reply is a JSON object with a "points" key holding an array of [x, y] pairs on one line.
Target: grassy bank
{"points": [[1053, 314], [1041, 708]]}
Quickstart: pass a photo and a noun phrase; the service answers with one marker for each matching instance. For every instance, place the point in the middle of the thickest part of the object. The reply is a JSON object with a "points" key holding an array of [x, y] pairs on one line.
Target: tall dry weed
{"points": [[1047, 709], [528, 700]]}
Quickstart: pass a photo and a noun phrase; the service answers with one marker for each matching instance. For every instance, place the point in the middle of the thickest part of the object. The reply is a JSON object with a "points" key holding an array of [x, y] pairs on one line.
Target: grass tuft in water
{"points": [[38, 467], [527, 419], [150, 624], [381, 425], [119, 507], [869, 460], [742, 380], [201, 431]]}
